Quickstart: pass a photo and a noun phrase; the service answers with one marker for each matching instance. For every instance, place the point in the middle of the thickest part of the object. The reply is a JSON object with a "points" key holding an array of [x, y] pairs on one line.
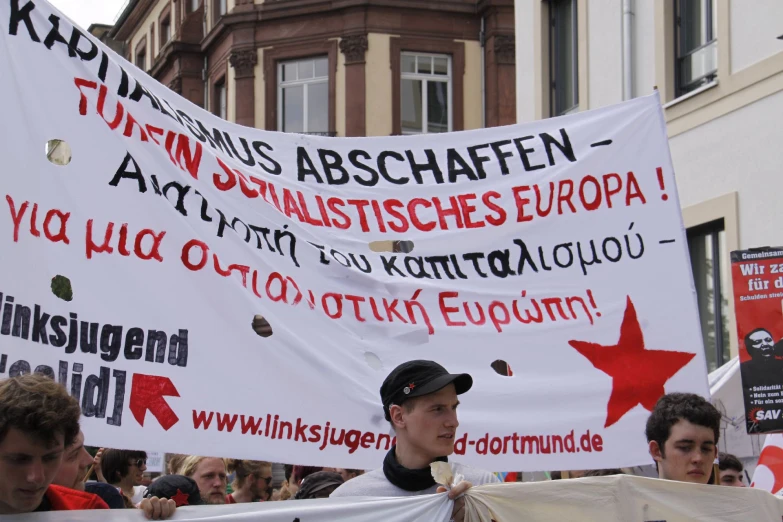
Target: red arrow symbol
{"points": [[147, 392]]}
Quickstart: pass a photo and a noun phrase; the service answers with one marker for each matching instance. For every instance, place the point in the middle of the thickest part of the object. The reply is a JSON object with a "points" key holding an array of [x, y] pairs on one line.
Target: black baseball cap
{"points": [[416, 378], [179, 488], [318, 481]]}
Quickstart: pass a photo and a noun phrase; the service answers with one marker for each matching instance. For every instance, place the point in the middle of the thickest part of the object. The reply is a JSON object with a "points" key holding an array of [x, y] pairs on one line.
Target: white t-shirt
{"points": [[138, 494], [375, 483]]}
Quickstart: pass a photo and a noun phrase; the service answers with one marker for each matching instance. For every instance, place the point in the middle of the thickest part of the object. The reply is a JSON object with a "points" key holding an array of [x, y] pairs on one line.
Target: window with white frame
{"points": [[221, 100], [712, 279], [425, 93], [695, 45], [563, 57], [192, 5], [303, 95], [221, 7]]}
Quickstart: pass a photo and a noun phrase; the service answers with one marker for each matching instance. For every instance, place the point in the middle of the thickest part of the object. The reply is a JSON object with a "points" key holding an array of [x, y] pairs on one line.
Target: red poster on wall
{"points": [[757, 277]]}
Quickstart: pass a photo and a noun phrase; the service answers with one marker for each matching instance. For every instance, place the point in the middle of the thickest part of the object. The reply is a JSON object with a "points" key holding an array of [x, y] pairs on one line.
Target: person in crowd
{"points": [[420, 400], [39, 424], [75, 465], [174, 462], [252, 481], [77, 462], [345, 473], [731, 470], [210, 475], [682, 433], [180, 489], [38, 421], [109, 494], [275, 496], [124, 469], [320, 484], [299, 473], [287, 491]]}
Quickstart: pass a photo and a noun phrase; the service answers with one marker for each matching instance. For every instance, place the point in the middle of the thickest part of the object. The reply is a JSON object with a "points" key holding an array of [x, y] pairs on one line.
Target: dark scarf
{"points": [[408, 479]]}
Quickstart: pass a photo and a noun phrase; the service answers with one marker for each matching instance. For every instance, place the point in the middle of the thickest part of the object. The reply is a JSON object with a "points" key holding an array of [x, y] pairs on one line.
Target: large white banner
{"points": [[600, 499], [555, 246]]}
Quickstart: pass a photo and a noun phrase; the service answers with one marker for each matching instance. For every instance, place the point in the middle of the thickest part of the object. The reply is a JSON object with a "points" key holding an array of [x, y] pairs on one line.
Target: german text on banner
{"points": [[757, 276], [555, 246], [599, 499]]}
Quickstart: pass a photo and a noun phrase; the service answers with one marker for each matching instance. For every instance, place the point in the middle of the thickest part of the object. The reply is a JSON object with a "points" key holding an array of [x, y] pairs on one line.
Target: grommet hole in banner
{"points": [[58, 152], [261, 326], [502, 368], [397, 247], [61, 287], [373, 361]]}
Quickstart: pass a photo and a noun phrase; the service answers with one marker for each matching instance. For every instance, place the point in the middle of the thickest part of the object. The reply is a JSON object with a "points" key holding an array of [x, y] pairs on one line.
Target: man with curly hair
{"points": [[682, 433], [39, 423], [38, 420]]}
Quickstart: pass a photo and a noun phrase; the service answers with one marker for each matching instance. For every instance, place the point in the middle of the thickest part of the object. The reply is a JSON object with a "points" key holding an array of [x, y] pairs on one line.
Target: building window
{"points": [[191, 5], [563, 57], [165, 31], [221, 99], [220, 8], [303, 96], [425, 93], [140, 58], [711, 276], [152, 41], [695, 45]]}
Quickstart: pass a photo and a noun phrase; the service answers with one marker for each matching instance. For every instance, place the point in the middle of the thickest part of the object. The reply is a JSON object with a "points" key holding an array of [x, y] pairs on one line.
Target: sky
{"points": [[86, 12]]}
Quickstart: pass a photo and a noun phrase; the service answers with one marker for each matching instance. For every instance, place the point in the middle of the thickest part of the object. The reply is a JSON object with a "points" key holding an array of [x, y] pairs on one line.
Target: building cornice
{"points": [[131, 18]]}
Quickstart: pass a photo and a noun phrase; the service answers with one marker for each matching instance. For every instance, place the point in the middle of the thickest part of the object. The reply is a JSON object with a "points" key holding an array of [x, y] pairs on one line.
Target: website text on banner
{"points": [[757, 275], [555, 246]]}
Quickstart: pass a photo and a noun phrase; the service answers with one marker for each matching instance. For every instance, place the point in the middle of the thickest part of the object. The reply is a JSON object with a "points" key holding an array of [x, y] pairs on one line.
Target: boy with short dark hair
{"points": [[682, 433], [731, 470]]}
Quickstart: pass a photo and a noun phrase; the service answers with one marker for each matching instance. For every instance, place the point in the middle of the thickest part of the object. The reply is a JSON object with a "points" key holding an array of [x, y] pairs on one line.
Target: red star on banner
{"points": [[638, 375], [411, 386], [180, 498]]}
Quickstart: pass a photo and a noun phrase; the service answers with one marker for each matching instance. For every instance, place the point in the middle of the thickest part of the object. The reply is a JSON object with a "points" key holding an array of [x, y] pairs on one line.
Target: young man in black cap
{"points": [[420, 400]]}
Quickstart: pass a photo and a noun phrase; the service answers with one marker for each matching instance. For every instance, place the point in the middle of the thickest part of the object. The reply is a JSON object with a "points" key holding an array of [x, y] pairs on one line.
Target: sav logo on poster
{"points": [[758, 415]]}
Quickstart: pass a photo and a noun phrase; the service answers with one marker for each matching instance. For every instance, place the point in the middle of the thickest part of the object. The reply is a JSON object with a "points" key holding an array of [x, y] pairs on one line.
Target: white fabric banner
{"points": [[600, 499], [555, 246]]}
